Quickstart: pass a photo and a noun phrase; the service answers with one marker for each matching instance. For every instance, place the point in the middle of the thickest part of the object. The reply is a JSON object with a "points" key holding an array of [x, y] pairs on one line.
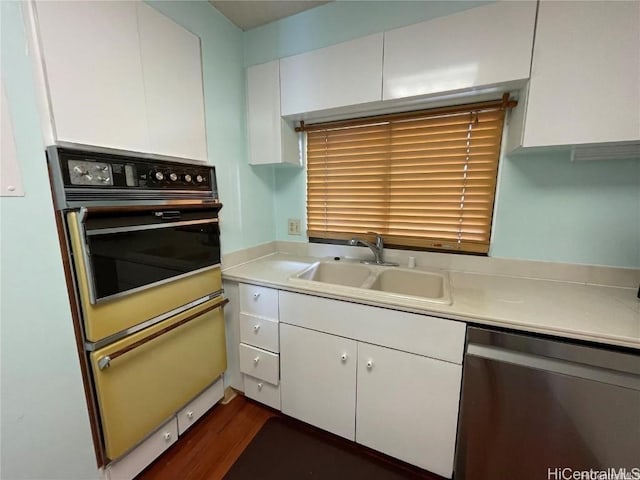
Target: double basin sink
{"points": [[393, 281]]}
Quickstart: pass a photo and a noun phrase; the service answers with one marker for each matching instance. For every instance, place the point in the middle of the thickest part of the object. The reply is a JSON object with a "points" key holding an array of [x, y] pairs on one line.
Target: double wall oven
{"points": [[141, 246]]}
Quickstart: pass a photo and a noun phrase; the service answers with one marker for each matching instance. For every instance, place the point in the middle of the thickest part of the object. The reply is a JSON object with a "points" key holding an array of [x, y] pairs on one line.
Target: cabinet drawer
{"points": [[259, 363], [260, 301], [262, 391], [199, 406], [141, 456], [259, 332], [420, 334]]}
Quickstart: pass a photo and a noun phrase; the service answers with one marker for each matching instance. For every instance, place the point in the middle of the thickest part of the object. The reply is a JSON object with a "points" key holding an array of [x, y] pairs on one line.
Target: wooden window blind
{"points": [[424, 179]]}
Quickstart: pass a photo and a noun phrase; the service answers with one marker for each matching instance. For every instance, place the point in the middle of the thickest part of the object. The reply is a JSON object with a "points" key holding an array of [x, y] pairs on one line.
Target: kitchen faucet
{"points": [[376, 248]]}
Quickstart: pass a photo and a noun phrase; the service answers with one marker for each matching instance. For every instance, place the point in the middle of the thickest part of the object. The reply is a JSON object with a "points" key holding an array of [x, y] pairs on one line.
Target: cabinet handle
{"points": [[343, 357], [256, 295], [256, 328], [167, 436], [256, 360], [260, 385], [190, 415], [370, 364]]}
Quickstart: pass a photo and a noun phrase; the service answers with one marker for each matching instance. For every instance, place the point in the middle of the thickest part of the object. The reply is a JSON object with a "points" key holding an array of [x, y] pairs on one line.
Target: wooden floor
{"points": [[209, 448]]}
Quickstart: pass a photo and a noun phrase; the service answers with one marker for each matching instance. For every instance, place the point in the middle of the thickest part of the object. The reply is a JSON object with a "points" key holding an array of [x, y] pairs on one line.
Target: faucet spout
{"points": [[376, 248]]}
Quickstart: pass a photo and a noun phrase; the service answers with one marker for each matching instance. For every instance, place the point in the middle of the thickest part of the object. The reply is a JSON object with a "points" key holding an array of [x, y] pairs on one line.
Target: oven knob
{"points": [[199, 179], [159, 176], [173, 177], [187, 178]]}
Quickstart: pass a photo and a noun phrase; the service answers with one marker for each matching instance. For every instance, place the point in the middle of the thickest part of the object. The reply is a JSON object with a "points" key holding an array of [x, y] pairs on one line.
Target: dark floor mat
{"points": [[283, 450]]}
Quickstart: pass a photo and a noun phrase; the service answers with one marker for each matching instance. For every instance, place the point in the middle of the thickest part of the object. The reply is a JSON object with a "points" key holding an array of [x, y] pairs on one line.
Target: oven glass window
{"points": [[132, 259]]}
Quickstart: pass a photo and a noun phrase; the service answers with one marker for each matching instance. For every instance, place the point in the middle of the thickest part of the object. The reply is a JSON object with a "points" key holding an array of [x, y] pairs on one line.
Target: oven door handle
{"points": [[105, 361], [137, 228]]}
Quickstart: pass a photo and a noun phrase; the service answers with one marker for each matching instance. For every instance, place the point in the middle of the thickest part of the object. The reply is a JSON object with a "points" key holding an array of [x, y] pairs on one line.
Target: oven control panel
{"points": [[137, 175], [97, 170]]}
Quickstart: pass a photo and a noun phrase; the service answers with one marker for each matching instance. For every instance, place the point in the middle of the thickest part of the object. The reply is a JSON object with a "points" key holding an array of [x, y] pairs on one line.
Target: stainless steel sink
{"points": [[391, 281], [347, 274]]}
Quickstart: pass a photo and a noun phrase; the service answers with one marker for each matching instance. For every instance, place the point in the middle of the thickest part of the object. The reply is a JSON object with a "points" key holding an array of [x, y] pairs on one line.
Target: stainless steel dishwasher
{"points": [[534, 408]]}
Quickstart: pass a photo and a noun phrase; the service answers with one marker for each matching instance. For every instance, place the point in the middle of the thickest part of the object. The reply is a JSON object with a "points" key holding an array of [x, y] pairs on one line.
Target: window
{"points": [[423, 179]]}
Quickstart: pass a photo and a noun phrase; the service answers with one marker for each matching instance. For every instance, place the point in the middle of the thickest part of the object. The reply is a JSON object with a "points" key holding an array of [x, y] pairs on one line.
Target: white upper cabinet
{"points": [[585, 77], [95, 84], [122, 75], [345, 74], [271, 139], [479, 47], [172, 69]]}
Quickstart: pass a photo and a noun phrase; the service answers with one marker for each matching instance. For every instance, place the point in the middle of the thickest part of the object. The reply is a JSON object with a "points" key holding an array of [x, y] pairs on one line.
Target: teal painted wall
{"points": [[548, 208], [552, 209], [247, 218], [45, 425]]}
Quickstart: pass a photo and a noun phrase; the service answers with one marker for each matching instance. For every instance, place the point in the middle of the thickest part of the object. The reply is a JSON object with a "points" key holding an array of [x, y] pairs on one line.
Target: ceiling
{"points": [[248, 14]]}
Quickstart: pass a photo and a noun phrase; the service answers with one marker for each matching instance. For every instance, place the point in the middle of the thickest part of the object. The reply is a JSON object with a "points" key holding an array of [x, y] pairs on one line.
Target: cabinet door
{"points": [[408, 406], [585, 74], [91, 54], [348, 73], [272, 140], [318, 379], [478, 47], [172, 67]]}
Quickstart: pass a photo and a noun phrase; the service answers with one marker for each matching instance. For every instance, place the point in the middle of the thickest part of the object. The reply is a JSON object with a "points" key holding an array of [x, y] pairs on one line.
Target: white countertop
{"points": [[609, 315]]}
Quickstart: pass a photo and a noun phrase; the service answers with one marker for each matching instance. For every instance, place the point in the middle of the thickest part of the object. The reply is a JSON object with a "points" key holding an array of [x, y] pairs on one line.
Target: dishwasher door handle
{"points": [[562, 367]]}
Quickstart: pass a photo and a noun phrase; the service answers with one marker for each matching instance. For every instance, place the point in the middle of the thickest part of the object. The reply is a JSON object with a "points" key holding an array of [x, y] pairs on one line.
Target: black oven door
{"points": [[129, 250]]}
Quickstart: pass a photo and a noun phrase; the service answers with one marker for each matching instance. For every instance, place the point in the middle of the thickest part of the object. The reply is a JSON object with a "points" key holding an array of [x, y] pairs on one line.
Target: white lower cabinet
{"points": [[402, 401], [407, 406], [259, 344], [318, 384]]}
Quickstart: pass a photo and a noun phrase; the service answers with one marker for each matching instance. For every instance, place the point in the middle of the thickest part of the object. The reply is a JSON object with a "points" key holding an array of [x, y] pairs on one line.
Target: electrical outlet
{"points": [[294, 226]]}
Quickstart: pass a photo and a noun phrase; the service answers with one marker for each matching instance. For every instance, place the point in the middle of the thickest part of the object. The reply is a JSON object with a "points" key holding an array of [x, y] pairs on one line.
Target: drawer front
{"points": [[145, 453], [262, 391], [259, 301], [260, 363], [199, 406], [259, 332], [420, 334]]}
